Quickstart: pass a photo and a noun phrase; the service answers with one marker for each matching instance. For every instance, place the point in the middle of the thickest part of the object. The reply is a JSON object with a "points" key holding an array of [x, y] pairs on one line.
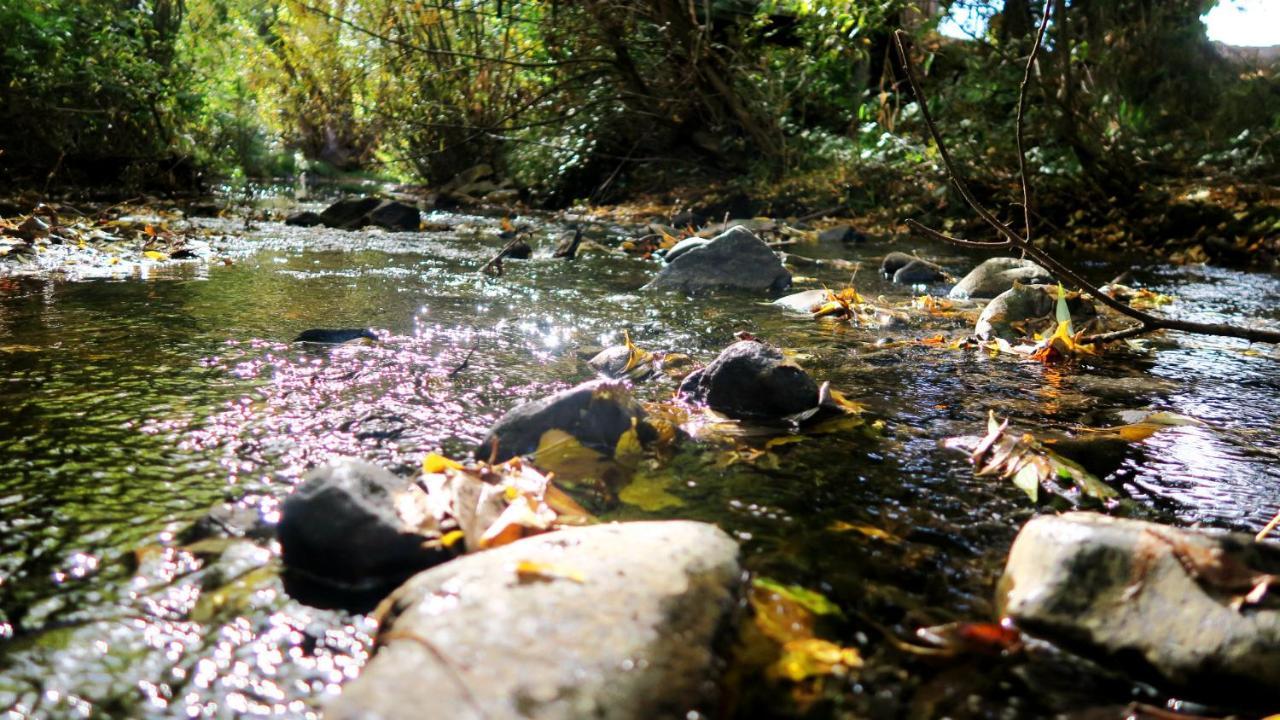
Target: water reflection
{"points": [[130, 408]]}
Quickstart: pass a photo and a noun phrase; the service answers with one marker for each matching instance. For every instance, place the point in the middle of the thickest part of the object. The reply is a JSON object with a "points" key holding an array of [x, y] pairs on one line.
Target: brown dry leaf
{"points": [[1028, 463]]}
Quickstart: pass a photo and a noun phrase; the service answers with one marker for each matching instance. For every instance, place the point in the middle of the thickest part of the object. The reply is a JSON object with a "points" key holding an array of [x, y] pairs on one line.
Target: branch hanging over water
{"points": [[1146, 322]]}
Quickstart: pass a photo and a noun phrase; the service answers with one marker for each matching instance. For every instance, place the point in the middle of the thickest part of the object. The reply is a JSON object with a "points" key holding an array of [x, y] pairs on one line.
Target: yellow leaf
{"points": [[628, 451], [435, 463], [529, 570], [450, 538], [812, 657], [157, 256], [870, 531], [649, 493], [561, 453]]}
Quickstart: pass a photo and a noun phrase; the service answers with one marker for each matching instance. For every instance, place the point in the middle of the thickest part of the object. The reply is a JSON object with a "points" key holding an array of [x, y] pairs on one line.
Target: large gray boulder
{"points": [[750, 380], [736, 259], [998, 274], [613, 622], [357, 526], [597, 413], [1174, 602]]}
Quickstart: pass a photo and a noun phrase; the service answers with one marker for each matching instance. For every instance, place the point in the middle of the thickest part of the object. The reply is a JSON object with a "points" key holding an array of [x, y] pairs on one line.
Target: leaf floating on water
{"points": [[811, 601], [153, 255], [531, 571], [1028, 463], [649, 493], [865, 530]]}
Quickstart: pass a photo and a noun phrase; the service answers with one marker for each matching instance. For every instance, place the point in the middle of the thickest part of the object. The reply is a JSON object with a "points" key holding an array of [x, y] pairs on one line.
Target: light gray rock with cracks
{"points": [[621, 626], [997, 275], [736, 259], [1169, 601]]}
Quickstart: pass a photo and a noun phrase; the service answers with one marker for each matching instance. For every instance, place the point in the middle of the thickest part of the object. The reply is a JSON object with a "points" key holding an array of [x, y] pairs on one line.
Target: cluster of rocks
{"points": [[622, 620], [356, 213]]}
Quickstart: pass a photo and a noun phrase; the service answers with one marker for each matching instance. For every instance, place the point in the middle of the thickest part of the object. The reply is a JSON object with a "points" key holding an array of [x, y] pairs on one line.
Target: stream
{"points": [[131, 405]]}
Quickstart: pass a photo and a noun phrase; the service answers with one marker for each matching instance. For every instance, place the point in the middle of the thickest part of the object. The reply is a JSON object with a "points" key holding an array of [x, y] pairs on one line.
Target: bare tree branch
{"points": [[1146, 322]]}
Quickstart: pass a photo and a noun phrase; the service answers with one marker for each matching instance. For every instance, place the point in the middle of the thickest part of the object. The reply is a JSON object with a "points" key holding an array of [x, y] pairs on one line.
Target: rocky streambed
{"points": [[755, 516]]}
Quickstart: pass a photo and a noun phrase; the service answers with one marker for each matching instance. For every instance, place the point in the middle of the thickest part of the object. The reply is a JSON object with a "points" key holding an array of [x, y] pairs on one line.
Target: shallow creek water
{"points": [[130, 406]]}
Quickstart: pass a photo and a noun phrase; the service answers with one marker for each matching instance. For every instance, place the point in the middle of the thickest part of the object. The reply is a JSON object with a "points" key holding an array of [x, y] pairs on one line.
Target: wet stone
{"points": [[334, 335], [736, 259], [751, 381], [306, 218], [623, 625], [597, 413], [356, 525], [355, 213], [1165, 602], [918, 272], [1012, 314], [842, 234], [997, 275]]}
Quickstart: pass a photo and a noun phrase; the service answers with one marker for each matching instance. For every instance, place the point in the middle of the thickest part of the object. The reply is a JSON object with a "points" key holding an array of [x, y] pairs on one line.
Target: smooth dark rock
{"points": [[918, 272], [842, 234], [355, 213], [334, 335], [736, 259], [202, 209], [895, 261], [1008, 315], [634, 635], [749, 381], [997, 275], [1151, 599], [349, 213], [596, 413], [306, 218], [395, 216], [682, 247], [356, 525]]}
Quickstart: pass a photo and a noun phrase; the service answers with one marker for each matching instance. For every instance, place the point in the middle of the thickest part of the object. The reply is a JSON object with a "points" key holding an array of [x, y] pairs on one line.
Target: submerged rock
{"points": [[751, 381], [356, 525], [597, 413], [736, 259], [997, 275], [1024, 309], [616, 622], [355, 213], [1174, 603], [335, 335]]}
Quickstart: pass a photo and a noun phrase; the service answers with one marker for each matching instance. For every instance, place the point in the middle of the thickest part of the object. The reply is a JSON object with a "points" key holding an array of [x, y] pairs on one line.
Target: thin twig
{"points": [[1262, 534], [1022, 109], [1146, 322], [463, 365], [495, 262]]}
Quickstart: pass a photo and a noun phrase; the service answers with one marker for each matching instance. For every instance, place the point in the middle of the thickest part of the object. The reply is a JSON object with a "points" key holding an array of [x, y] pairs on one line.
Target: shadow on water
{"points": [[129, 408]]}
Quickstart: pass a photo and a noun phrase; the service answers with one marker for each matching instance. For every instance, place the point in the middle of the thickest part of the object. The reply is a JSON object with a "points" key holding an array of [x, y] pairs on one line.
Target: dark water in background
{"points": [[129, 407]]}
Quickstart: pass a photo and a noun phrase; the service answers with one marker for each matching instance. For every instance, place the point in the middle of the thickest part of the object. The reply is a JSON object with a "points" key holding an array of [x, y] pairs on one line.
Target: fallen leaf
{"points": [[531, 571]]}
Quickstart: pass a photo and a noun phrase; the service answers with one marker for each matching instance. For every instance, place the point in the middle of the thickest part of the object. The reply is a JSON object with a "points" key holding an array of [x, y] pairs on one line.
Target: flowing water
{"points": [[130, 406]]}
